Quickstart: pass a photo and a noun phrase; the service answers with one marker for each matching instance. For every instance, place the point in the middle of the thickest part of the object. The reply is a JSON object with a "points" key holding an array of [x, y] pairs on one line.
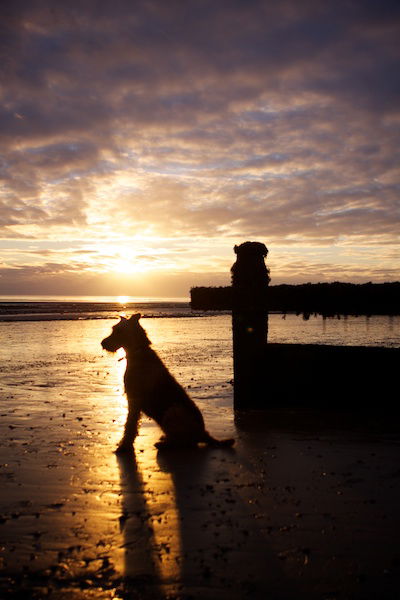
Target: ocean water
{"points": [[51, 356], [51, 352], [376, 330], [44, 308]]}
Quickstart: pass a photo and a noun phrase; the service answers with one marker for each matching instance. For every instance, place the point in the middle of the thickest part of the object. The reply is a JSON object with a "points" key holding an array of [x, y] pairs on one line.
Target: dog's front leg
{"points": [[131, 429]]}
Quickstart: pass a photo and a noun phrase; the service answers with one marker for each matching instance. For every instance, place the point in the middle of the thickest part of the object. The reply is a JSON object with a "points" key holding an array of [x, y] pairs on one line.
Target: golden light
{"points": [[127, 267], [127, 263], [131, 262]]}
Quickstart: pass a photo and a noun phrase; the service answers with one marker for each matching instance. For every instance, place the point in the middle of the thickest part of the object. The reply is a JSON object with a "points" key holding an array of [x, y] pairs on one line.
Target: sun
{"points": [[126, 267], [123, 261], [129, 266]]}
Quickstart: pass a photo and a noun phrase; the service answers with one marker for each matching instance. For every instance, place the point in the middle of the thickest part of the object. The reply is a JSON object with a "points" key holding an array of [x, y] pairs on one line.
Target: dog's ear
{"points": [[135, 317], [122, 318]]}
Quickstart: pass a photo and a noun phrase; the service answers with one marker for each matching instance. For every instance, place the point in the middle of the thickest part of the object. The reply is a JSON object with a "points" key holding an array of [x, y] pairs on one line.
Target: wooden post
{"points": [[250, 279]]}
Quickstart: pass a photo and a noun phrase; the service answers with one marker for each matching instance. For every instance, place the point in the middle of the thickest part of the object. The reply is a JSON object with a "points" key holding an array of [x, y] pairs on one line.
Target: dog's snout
{"points": [[110, 344], [105, 344]]}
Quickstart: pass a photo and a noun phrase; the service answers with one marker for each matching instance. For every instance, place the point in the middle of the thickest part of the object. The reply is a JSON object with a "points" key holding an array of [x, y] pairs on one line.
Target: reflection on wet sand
{"points": [[287, 514], [185, 520], [214, 517], [304, 506]]}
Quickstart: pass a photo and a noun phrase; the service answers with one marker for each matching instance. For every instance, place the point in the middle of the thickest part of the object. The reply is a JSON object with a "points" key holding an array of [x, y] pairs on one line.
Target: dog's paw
{"points": [[124, 449]]}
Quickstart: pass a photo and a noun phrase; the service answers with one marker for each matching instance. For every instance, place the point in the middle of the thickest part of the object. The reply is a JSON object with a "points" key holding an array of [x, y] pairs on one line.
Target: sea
{"points": [[374, 330]]}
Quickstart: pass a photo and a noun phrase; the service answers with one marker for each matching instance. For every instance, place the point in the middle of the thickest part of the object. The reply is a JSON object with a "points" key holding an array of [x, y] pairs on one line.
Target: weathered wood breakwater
{"points": [[278, 375], [330, 377], [326, 299]]}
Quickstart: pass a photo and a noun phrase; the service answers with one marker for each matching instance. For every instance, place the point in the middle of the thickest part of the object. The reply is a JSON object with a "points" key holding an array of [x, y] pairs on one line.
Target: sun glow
{"points": [[128, 267], [125, 263], [133, 268]]}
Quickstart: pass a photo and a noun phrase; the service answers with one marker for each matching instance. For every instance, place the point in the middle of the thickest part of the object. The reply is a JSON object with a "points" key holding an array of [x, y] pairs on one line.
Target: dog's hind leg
{"points": [[130, 431]]}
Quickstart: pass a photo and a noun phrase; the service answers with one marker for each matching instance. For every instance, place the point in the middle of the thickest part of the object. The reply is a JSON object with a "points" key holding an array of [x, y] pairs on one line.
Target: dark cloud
{"points": [[160, 59]]}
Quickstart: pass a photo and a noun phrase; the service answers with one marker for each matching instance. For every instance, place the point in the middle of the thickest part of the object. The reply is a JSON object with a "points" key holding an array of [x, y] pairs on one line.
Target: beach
{"points": [[305, 505]]}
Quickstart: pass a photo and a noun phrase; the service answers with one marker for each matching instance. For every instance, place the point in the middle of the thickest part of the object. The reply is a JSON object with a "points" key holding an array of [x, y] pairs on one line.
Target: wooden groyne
{"points": [[301, 375], [326, 299], [330, 377]]}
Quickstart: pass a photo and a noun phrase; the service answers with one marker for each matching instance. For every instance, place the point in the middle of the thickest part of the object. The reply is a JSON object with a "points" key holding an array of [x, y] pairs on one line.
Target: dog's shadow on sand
{"points": [[141, 571], [185, 495], [210, 529]]}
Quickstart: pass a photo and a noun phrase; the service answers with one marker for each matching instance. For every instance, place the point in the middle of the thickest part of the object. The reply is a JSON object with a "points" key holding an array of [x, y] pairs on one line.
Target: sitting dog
{"points": [[151, 389]]}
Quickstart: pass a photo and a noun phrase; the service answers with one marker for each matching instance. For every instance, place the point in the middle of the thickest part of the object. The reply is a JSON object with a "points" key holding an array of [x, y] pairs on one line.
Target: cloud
{"points": [[207, 122]]}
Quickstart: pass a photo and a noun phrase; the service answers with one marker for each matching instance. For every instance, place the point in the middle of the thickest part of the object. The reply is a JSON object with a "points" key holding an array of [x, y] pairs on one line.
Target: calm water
{"points": [[46, 360], [364, 331]]}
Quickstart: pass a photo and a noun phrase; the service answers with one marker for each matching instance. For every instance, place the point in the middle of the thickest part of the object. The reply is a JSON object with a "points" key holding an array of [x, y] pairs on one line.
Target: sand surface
{"points": [[304, 506]]}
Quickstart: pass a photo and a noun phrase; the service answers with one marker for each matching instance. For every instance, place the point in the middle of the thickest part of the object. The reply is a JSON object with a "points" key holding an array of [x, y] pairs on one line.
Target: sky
{"points": [[141, 140]]}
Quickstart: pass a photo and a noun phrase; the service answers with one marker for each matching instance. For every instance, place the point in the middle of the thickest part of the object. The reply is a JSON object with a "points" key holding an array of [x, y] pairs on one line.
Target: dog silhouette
{"points": [[151, 389]]}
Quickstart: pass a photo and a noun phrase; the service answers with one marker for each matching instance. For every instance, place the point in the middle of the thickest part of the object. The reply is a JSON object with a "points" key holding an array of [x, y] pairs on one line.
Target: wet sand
{"points": [[304, 506]]}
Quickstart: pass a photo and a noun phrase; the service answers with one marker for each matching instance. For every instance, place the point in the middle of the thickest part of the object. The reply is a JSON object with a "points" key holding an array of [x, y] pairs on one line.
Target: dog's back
{"points": [[149, 382]]}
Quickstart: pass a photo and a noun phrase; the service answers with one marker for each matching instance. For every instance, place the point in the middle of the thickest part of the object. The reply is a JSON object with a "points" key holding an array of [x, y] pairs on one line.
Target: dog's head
{"points": [[128, 333]]}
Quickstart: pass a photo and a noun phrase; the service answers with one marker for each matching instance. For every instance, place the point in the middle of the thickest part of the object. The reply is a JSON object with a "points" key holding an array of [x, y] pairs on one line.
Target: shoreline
{"points": [[305, 506]]}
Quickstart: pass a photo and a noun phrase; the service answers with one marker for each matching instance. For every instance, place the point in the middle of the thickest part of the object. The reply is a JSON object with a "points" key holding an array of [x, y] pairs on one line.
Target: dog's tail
{"points": [[210, 441]]}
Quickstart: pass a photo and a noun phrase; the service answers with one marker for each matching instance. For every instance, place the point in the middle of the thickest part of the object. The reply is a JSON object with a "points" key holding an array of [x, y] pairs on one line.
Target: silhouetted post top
{"points": [[250, 277]]}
